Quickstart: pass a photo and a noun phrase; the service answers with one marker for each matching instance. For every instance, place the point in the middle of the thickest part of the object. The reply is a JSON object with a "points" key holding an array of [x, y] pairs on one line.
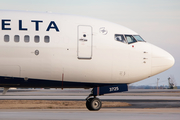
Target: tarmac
{"points": [[161, 104], [83, 114]]}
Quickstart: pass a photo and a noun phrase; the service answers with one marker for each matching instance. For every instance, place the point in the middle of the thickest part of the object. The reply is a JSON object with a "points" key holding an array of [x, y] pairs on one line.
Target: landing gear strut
{"points": [[93, 104]]}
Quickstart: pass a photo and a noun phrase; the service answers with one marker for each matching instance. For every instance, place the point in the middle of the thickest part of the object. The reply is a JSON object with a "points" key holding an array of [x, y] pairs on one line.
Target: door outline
{"points": [[79, 56]]}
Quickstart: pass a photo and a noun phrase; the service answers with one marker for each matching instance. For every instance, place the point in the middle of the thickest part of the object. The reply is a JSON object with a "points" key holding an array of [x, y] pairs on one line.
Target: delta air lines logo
{"points": [[6, 25]]}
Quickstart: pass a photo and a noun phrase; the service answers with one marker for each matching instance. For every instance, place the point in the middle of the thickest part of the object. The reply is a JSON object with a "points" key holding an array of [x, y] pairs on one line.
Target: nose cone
{"points": [[161, 60]]}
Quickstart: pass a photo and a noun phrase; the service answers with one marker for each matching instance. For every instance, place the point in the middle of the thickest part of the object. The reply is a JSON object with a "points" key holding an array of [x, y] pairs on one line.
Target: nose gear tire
{"points": [[93, 104]]}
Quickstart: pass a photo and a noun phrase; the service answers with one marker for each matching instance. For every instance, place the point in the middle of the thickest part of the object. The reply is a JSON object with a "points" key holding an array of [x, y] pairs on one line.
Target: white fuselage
{"points": [[74, 49]]}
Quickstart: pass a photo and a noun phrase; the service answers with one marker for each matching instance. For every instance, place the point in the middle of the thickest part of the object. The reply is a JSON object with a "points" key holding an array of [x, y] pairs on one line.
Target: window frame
{"points": [[127, 40], [35, 38], [120, 35], [48, 39], [6, 39], [16, 38], [28, 38], [140, 37]]}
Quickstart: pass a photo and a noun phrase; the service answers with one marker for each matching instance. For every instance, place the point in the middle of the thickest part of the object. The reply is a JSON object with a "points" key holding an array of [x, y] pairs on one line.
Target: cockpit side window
{"points": [[130, 39], [120, 38], [138, 38]]}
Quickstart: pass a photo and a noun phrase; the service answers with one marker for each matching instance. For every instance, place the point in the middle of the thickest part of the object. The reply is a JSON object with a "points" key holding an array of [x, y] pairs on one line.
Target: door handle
{"points": [[83, 40]]}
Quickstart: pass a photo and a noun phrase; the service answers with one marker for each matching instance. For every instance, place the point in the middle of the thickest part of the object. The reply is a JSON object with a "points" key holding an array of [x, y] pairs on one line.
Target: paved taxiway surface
{"points": [[83, 114], [138, 98], [146, 105], [135, 101]]}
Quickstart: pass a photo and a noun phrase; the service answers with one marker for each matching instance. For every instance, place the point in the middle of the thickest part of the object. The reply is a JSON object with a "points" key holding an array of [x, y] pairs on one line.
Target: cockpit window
{"points": [[130, 39], [138, 38], [120, 38]]}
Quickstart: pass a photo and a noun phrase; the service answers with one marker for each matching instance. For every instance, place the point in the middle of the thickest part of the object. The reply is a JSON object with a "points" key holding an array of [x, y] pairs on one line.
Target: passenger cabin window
{"points": [[36, 39], [6, 38], [130, 39], [120, 38], [26, 38], [46, 39], [138, 38], [16, 38]]}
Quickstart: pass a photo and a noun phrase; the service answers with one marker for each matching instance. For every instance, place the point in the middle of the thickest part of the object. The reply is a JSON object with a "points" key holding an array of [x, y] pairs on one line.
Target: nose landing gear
{"points": [[93, 103]]}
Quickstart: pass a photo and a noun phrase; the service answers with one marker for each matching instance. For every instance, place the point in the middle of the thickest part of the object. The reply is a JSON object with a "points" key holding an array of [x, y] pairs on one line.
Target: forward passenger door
{"points": [[84, 46]]}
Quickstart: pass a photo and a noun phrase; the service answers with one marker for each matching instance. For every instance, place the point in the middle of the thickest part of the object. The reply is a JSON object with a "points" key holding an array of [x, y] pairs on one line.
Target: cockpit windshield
{"points": [[120, 38], [130, 39], [138, 38]]}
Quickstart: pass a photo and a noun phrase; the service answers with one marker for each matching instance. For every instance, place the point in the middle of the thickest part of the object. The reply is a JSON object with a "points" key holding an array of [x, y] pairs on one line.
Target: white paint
{"points": [[111, 61]]}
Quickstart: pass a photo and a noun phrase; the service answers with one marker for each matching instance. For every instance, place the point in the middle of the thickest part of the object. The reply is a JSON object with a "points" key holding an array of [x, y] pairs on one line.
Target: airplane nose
{"points": [[161, 60]]}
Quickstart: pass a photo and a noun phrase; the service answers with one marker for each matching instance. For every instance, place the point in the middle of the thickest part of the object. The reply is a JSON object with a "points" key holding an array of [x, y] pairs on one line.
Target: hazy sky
{"points": [[157, 21]]}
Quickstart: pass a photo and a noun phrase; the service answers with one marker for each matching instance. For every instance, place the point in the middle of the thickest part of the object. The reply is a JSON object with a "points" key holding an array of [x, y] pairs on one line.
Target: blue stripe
{"points": [[40, 83]]}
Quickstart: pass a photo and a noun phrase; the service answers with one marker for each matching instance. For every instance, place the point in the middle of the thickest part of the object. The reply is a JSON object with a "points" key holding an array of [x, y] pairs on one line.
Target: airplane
{"points": [[51, 50]]}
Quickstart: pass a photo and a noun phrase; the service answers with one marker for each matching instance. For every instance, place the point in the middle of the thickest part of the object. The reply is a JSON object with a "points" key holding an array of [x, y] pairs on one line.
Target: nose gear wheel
{"points": [[93, 104]]}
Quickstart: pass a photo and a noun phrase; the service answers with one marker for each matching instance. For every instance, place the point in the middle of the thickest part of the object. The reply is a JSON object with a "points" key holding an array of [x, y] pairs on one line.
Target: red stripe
{"points": [[62, 80], [97, 90]]}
